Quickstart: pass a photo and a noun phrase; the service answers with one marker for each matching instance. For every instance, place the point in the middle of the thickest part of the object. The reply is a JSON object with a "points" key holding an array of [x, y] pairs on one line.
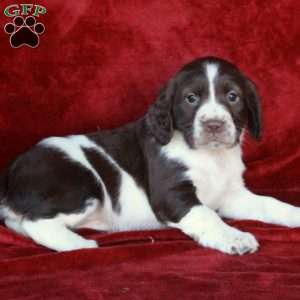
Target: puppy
{"points": [[178, 166]]}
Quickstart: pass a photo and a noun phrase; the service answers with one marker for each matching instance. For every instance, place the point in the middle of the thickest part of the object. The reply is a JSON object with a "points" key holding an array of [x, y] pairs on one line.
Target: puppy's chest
{"points": [[213, 173], [212, 179]]}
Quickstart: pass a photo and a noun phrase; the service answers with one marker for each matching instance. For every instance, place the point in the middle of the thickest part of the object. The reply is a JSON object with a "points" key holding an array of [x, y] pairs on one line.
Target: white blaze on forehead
{"points": [[211, 73]]}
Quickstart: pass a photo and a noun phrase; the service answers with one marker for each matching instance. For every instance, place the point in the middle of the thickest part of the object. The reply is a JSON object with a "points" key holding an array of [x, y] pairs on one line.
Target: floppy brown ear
{"points": [[253, 110], [159, 117]]}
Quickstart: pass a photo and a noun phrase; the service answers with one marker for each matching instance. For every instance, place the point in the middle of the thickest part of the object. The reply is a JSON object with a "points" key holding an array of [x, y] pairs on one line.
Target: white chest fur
{"points": [[214, 172]]}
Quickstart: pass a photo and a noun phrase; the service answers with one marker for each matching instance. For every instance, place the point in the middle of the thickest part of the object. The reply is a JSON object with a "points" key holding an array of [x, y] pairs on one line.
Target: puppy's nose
{"points": [[213, 125]]}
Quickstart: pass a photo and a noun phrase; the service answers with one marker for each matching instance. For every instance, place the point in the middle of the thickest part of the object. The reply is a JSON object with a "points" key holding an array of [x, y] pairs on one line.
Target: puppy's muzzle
{"points": [[213, 126]]}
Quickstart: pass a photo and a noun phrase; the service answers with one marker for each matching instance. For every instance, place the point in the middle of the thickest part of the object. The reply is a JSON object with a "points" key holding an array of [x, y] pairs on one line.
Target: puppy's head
{"points": [[210, 102]]}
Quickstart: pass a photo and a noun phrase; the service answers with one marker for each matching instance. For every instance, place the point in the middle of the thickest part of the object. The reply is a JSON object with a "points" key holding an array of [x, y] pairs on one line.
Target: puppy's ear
{"points": [[253, 110], [159, 117]]}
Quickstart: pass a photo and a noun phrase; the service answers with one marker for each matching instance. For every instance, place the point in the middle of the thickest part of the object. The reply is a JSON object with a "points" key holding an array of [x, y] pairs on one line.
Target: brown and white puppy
{"points": [[178, 166]]}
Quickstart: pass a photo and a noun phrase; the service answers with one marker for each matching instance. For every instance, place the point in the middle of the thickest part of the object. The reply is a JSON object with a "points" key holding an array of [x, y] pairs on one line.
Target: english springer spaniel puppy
{"points": [[179, 166]]}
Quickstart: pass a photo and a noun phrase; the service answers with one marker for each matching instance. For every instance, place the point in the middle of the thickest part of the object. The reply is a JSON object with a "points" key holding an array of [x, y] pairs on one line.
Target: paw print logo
{"points": [[24, 31]]}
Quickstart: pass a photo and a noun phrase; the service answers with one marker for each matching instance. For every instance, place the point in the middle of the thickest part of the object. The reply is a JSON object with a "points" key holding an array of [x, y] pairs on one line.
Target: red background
{"points": [[101, 64]]}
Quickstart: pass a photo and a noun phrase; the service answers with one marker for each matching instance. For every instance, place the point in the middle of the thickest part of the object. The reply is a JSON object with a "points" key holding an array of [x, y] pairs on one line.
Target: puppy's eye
{"points": [[233, 97], [192, 99]]}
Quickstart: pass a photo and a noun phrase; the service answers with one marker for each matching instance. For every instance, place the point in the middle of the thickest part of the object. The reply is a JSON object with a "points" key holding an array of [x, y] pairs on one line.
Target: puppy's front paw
{"points": [[230, 241], [240, 243]]}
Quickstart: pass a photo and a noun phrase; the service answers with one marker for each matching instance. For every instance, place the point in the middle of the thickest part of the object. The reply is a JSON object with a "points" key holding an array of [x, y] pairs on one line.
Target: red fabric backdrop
{"points": [[100, 64]]}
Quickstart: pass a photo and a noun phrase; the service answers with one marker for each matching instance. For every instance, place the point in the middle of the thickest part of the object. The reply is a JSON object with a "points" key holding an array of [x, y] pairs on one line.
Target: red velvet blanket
{"points": [[100, 64], [152, 265]]}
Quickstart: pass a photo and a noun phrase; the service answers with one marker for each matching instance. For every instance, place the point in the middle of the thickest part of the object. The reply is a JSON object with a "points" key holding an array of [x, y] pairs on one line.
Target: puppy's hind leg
{"points": [[15, 225], [54, 234]]}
